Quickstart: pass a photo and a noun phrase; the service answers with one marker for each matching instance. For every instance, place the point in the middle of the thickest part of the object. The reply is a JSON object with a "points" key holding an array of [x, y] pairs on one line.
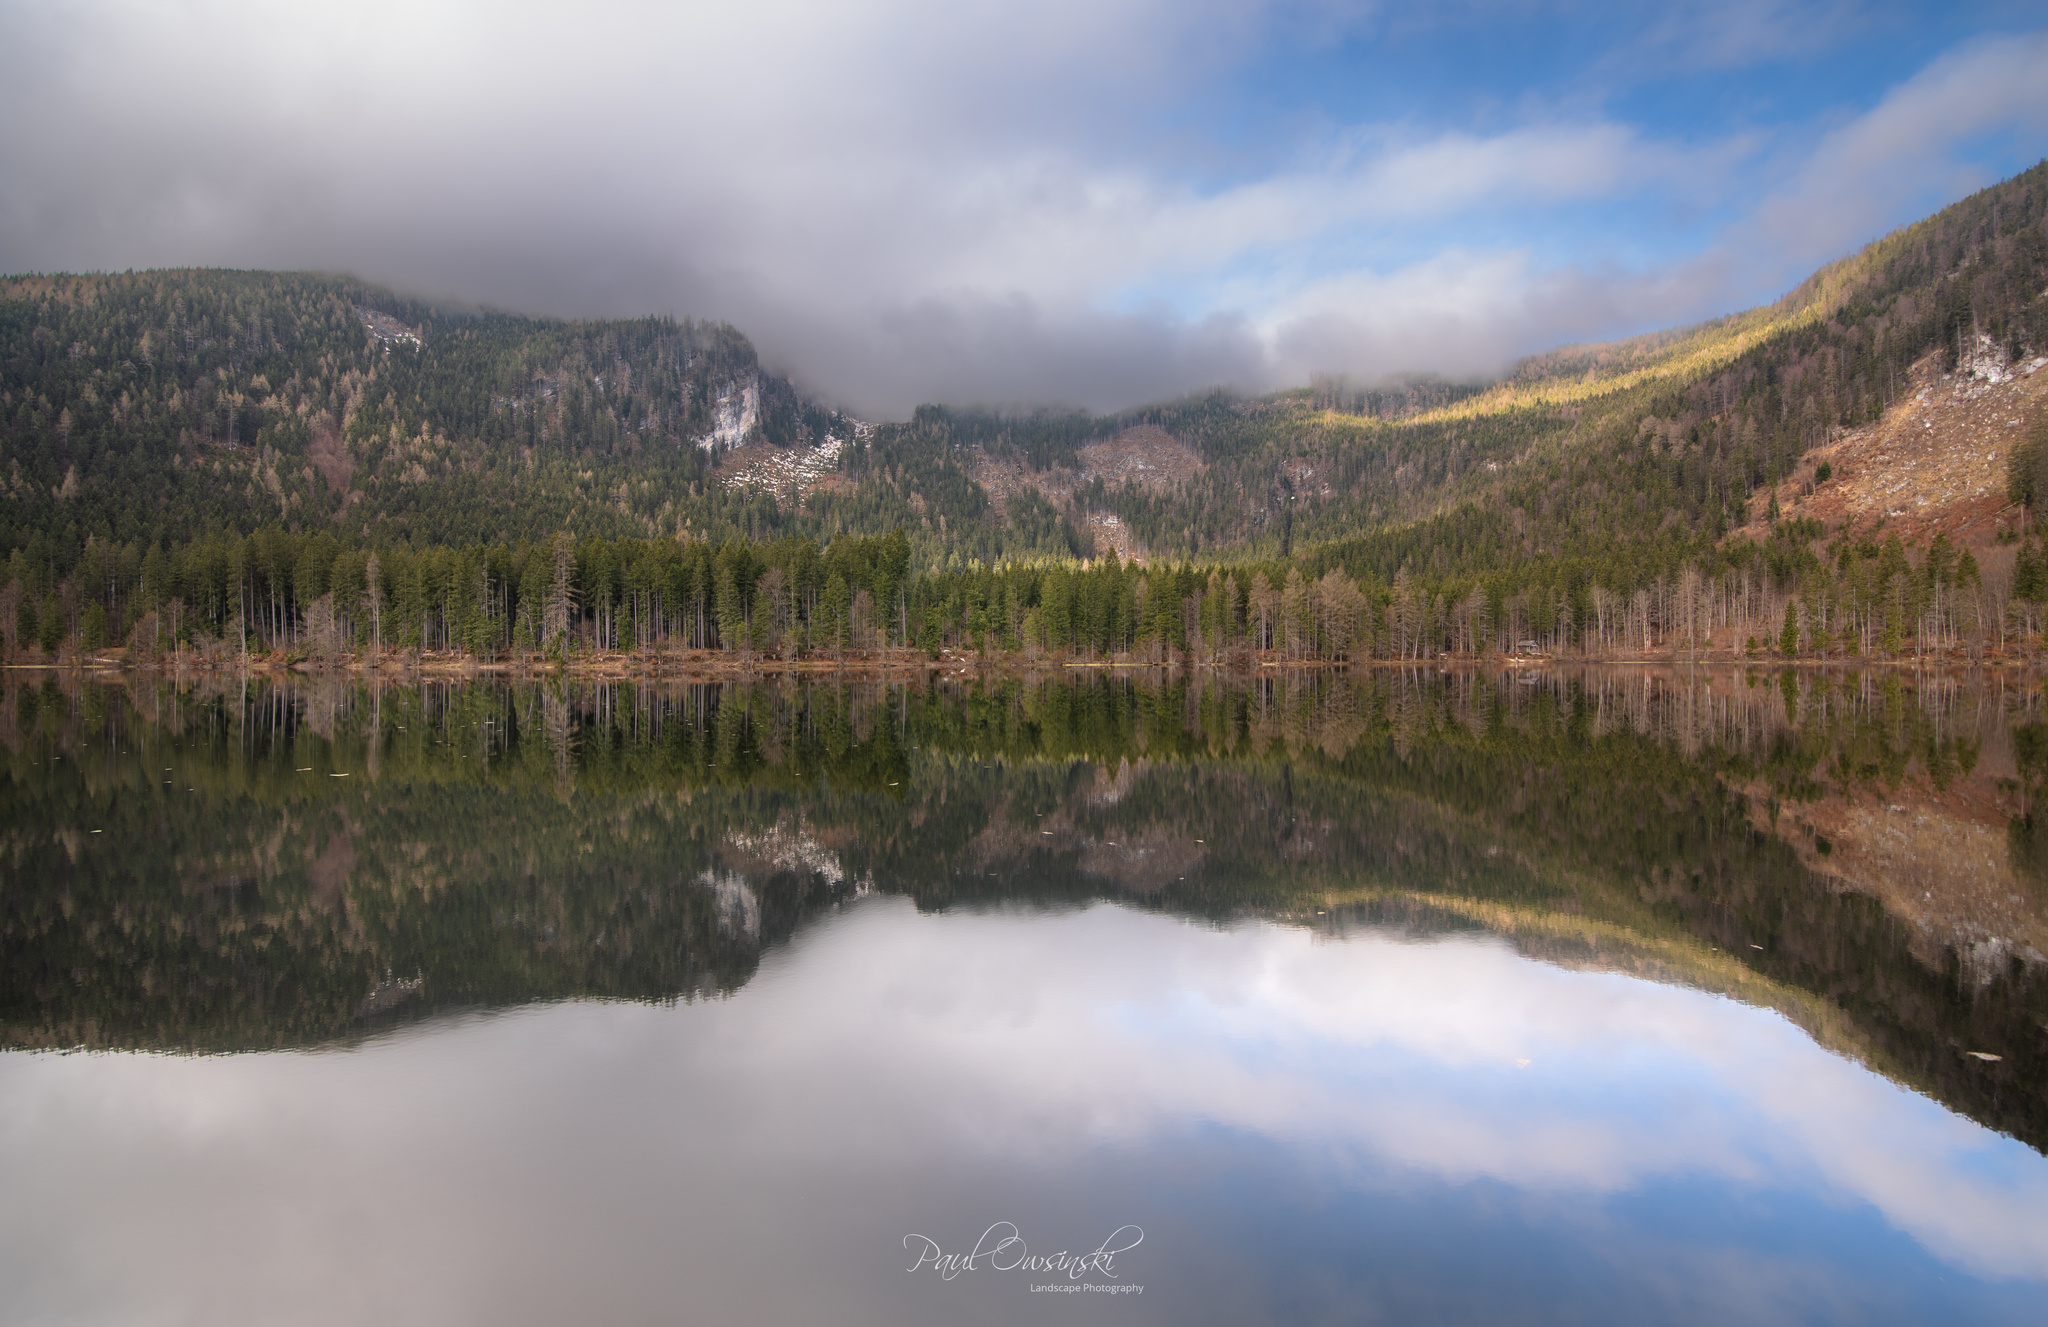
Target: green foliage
{"points": [[167, 406], [2026, 467], [2030, 574], [234, 446], [51, 626], [494, 845]]}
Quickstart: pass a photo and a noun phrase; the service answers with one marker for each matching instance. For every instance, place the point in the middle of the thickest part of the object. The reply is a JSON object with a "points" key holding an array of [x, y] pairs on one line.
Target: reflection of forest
{"points": [[288, 865]]}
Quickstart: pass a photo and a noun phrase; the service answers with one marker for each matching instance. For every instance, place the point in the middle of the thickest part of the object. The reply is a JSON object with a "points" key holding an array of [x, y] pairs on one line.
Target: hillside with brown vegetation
{"points": [[1933, 464], [1145, 457]]}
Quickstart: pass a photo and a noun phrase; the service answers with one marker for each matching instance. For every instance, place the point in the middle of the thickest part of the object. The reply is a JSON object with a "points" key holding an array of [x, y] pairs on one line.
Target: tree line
{"points": [[314, 596], [308, 463]]}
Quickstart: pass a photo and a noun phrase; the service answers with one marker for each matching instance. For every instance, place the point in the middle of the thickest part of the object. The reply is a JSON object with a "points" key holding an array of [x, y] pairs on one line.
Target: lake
{"points": [[1607, 996]]}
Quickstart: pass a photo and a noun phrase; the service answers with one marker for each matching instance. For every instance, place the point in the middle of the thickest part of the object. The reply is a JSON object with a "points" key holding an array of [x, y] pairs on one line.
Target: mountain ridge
{"points": [[240, 398], [277, 458]]}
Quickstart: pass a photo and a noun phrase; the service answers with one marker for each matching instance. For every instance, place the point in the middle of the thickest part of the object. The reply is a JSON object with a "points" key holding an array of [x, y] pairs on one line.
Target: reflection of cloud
{"points": [[1406, 1052], [640, 1150]]}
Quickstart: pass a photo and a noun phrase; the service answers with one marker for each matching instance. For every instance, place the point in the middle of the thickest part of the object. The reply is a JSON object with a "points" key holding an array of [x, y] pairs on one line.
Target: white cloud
{"points": [[1906, 152], [1734, 34], [902, 201]]}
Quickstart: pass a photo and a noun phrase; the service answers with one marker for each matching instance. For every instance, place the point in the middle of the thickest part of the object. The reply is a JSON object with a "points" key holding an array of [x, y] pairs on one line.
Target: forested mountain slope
{"points": [[1660, 441], [164, 406]]}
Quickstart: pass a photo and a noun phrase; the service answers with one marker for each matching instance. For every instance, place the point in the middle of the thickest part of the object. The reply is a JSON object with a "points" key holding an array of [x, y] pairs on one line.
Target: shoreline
{"points": [[717, 666]]}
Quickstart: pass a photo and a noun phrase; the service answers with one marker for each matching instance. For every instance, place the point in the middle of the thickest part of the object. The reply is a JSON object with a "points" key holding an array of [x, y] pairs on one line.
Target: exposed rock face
{"points": [[736, 415], [739, 907], [388, 330]]}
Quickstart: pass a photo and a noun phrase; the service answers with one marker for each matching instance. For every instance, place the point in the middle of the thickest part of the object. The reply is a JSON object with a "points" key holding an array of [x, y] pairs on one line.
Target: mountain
{"points": [[162, 405], [1657, 446], [152, 406], [229, 446]]}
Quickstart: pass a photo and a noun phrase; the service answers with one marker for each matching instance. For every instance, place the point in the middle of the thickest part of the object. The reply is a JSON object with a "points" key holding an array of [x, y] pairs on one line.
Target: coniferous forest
{"points": [[217, 464]]}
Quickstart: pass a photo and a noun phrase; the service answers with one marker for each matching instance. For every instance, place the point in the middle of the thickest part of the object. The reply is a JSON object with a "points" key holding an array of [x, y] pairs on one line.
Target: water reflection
{"points": [[1368, 1007], [1429, 1129], [287, 865]]}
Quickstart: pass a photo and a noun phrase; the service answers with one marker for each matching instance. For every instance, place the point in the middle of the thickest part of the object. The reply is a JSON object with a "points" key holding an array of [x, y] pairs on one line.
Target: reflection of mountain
{"points": [[287, 886], [322, 863]]}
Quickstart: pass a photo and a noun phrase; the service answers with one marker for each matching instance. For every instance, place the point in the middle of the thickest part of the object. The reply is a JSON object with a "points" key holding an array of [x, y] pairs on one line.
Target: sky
{"points": [[1082, 202]]}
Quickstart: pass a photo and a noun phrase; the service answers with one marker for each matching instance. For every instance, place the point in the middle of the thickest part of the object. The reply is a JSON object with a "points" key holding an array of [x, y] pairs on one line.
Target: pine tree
{"points": [[50, 623], [833, 607], [2027, 574], [373, 600]]}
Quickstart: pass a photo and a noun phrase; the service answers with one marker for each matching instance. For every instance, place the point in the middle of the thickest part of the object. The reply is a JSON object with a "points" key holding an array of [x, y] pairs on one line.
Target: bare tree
{"points": [[1341, 608], [561, 594]]}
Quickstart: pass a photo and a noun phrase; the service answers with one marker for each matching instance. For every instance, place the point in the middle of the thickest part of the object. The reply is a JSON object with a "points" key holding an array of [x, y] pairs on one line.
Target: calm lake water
{"points": [[1608, 997]]}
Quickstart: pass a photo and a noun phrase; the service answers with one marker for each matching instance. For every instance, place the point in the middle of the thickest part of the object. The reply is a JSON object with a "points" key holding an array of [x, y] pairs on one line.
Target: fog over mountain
{"points": [[1095, 203]]}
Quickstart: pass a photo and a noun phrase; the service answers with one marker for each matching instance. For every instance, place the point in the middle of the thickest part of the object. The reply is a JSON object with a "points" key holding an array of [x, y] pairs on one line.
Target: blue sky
{"points": [[1097, 202], [1772, 77]]}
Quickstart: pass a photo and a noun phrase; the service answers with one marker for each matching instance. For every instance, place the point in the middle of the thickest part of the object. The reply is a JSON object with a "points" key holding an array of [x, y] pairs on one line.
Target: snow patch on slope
{"points": [[791, 473], [791, 848]]}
